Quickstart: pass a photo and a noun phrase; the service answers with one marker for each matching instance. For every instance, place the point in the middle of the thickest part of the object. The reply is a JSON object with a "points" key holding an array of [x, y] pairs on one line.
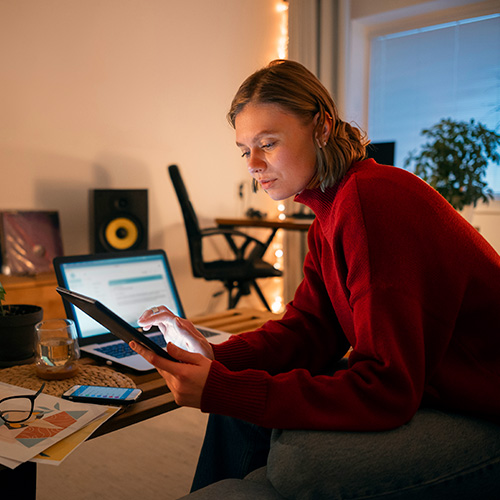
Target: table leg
{"points": [[19, 482]]}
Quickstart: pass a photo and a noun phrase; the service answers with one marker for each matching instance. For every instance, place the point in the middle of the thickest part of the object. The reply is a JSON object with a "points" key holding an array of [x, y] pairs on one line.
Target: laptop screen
{"points": [[127, 283]]}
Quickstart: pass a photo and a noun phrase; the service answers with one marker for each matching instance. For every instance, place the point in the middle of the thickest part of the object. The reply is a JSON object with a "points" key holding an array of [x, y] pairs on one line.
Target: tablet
{"points": [[107, 318]]}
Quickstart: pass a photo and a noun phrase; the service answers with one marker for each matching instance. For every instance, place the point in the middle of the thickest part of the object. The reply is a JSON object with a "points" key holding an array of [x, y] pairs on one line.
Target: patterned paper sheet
{"points": [[53, 419]]}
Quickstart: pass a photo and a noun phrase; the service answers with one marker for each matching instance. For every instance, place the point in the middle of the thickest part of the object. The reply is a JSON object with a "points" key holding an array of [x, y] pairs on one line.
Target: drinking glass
{"points": [[57, 349]]}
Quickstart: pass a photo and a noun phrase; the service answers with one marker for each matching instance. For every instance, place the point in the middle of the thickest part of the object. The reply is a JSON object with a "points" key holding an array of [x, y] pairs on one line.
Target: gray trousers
{"points": [[435, 456]]}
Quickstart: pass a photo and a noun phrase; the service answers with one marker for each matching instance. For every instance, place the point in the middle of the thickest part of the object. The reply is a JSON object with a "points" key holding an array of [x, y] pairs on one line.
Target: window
{"points": [[419, 77]]}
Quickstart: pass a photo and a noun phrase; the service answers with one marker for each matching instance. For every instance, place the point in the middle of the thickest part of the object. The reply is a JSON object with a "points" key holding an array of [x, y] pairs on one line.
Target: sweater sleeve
{"points": [[373, 394], [301, 339]]}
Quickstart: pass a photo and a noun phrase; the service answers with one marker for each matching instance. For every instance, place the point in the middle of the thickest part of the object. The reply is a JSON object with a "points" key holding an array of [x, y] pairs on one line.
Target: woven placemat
{"points": [[25, 376]]}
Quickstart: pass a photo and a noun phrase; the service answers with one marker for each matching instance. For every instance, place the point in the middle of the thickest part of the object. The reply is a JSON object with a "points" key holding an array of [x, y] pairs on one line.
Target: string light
{"points": [[281, 212], [277, 304], [282, 9], [282, 6]]}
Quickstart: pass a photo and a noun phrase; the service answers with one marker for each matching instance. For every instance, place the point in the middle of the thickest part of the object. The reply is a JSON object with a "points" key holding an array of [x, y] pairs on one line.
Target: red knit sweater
{"points": [[395, 272]]}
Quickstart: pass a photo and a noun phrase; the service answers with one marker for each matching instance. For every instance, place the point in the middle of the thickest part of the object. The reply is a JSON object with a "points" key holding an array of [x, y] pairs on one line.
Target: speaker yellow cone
{"points": [[121, 233]]}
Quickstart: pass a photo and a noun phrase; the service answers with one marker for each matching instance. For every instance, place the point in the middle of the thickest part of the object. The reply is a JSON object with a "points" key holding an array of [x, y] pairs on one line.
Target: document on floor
{"points": [[53, 420]]}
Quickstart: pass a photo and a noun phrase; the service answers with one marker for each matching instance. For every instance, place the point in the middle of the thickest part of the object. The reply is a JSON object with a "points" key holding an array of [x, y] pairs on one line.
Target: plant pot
{"points": [[17, 334]]}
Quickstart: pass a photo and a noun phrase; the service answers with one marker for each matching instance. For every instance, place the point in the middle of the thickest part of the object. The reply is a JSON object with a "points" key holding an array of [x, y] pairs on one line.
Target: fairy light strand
{"points": [[277, 304], [282, 9]]}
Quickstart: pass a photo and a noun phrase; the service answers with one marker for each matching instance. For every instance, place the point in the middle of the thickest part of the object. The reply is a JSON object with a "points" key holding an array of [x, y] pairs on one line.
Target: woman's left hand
{"points": [[186, 380]]}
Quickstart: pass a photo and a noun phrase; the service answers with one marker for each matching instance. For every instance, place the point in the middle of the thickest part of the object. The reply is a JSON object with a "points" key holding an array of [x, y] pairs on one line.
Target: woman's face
{"points": [[278, 147]]}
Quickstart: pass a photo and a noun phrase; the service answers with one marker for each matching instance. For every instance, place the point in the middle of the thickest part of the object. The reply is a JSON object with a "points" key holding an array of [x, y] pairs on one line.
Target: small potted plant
{"points": [[454, 160], [17, 331]]}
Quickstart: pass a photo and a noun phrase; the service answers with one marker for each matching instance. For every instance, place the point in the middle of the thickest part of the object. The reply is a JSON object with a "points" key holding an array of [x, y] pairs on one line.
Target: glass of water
{"points": [[57, 349]]}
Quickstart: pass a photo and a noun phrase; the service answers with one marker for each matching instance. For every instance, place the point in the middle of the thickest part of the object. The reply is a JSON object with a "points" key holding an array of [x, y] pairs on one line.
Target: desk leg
{"points": [[295, 248], [19, 482]]}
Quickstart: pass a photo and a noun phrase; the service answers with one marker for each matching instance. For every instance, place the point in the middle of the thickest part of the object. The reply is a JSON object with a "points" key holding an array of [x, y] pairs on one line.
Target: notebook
{"points": [[128, 283]]}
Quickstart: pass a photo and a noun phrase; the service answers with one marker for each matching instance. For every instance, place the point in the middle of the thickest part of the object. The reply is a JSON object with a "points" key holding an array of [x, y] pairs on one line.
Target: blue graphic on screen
{"points": [[127, 286]]}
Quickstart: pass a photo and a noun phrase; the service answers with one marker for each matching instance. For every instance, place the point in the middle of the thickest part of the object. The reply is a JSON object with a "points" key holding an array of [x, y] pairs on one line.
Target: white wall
{"points": [[107, 93]]}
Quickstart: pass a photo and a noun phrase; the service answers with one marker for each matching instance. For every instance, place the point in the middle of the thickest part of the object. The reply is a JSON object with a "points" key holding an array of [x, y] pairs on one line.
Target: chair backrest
{"points": [[193, 230]]}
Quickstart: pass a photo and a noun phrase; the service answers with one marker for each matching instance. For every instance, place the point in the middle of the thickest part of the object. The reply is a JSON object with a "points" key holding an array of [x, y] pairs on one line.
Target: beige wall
{"points": [[107, 93]]}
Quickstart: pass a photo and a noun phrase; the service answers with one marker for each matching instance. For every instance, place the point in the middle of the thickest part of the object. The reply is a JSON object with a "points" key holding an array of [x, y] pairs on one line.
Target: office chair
{"points": [[239, 274]]}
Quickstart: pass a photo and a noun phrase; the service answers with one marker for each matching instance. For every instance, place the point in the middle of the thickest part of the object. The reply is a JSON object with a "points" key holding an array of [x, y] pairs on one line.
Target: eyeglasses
{"points": [[16, 409]]}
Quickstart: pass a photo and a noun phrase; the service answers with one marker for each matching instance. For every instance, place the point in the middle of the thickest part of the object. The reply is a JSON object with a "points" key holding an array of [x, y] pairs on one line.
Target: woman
{"points": [[393, 272]]}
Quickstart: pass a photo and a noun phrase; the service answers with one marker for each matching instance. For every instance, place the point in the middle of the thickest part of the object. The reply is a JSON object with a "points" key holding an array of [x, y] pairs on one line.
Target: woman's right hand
{"points": [[179, 331]]}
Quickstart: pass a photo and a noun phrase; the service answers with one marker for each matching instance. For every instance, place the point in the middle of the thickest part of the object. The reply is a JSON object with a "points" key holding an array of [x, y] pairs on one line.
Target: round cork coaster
{"points": [[25, 376]]}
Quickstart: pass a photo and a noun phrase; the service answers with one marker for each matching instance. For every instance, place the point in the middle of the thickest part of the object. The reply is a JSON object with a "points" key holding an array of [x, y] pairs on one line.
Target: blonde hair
{"points": [[292, 86]]}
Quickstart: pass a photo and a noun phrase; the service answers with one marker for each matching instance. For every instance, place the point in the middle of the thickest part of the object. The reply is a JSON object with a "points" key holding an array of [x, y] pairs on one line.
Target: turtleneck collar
{"points": [[320, 202]]}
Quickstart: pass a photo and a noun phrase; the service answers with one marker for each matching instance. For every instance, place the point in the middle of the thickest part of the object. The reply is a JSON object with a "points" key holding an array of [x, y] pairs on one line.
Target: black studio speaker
{"points": [[118, 220]]}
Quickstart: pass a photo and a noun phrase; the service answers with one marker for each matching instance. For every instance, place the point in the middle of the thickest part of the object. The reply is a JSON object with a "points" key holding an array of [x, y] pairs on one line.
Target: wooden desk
{"points": [[155, 400], [289, 223]]}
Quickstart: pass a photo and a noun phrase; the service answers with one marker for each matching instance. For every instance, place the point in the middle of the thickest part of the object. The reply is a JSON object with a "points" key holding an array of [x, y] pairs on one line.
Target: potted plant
{"points": [[17, 331], [454, 160]]}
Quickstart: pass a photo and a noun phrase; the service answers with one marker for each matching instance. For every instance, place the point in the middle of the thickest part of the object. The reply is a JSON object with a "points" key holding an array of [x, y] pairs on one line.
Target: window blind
{"points": [[419, 77]]}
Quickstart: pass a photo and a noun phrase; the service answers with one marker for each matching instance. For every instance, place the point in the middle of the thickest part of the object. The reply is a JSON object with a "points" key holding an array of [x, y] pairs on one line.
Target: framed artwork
{"points": [[29, 241]]}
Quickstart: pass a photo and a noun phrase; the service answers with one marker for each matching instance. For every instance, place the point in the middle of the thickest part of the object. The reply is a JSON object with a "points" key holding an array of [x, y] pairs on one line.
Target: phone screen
{"points": [[102, 394]]}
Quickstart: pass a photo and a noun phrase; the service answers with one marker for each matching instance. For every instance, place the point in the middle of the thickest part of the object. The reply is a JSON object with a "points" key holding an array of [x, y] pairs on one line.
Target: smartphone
{"points": [[102, 395]]}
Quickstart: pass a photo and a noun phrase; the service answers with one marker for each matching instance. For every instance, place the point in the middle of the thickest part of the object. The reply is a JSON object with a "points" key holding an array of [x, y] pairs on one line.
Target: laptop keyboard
{"points": [[122, 349]]}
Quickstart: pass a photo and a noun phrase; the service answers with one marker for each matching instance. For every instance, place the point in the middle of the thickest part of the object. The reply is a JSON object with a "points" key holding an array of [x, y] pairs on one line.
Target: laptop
{"points": [[128, 283]]}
